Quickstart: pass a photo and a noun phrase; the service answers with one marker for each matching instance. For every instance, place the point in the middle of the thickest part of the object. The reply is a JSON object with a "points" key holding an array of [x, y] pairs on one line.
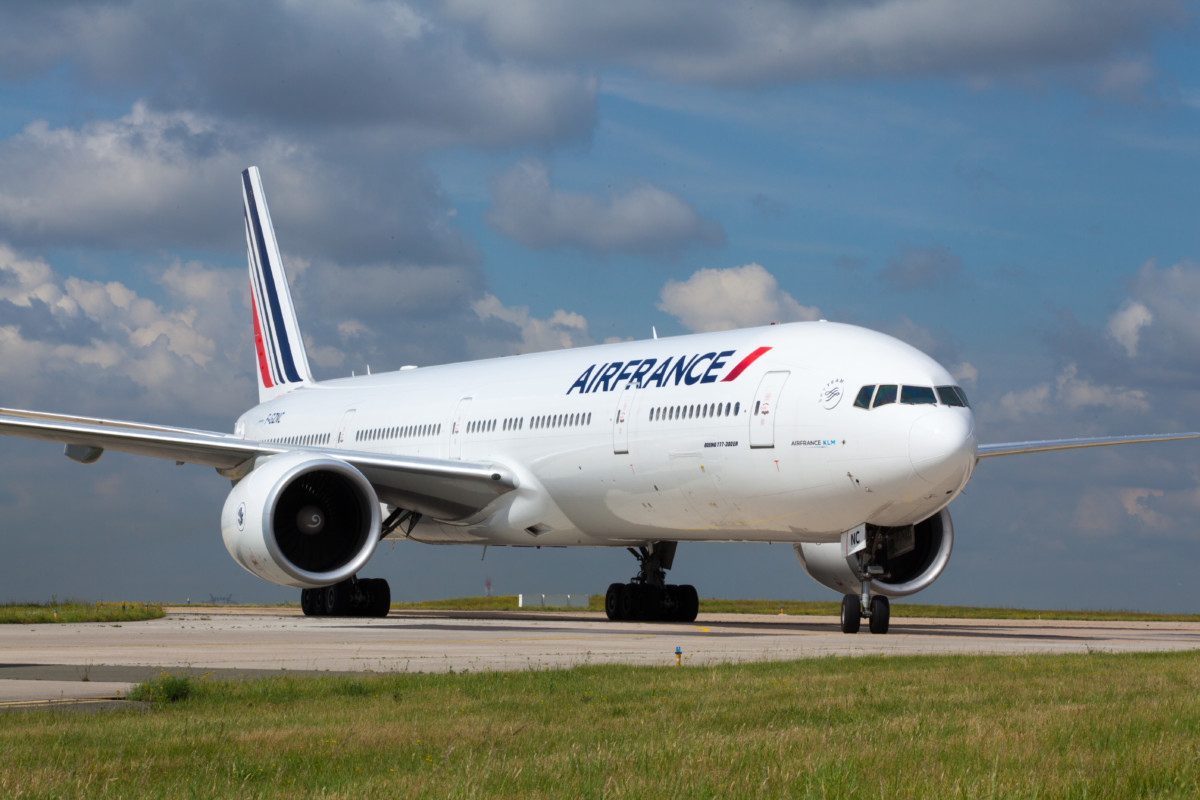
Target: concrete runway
{"points": [[54, 664]]}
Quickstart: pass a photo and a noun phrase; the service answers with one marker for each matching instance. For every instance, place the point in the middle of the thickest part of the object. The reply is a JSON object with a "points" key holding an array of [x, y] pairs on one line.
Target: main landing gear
{"points": [[877, 610], [355, 597], [648, 596]]}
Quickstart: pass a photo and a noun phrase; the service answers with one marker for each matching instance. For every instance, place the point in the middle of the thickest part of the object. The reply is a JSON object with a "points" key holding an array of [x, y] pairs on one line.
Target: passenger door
{"points": [[765, 408]]}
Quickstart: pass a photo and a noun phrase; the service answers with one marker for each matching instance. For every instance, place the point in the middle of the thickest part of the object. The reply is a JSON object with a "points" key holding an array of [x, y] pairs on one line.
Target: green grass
{"points": [[78, 611], [820, 608], [1090, 726]]}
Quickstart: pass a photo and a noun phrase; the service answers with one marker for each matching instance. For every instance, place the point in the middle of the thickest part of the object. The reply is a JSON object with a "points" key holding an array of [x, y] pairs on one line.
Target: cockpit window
{"points": [[917, 396], [864, 397], [885, 395], [910, 395], [952, 396]]}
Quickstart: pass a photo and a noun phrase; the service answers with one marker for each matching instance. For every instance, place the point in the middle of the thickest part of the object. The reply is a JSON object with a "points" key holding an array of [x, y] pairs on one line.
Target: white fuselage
{"points": [[748, 435]]}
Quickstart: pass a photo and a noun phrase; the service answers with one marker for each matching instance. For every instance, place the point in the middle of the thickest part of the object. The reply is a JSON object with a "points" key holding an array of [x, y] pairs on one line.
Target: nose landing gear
{"points": [[877, 610]]}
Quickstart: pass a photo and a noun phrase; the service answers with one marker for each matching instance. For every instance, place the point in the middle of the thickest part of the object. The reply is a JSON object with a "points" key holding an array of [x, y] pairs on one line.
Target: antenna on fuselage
{"points": [[654, 331]]}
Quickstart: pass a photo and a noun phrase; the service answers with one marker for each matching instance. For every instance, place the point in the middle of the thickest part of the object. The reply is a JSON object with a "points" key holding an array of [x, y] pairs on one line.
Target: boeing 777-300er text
{"points": [[843, 442]]}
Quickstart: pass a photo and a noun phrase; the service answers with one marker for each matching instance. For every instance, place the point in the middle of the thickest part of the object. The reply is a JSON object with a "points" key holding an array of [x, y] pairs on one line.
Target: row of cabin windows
{"points": [[543, 421], [691, 412], [397, 432], [561, 420], [888, 393], [303, 439]]}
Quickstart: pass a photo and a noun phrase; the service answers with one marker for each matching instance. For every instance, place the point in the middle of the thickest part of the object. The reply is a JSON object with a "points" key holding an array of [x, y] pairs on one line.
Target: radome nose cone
{"points": [[942, 446]]}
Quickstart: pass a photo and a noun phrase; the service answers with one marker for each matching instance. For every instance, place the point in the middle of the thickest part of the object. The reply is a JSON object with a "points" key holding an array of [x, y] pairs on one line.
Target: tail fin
{"points": [[282, 362]]}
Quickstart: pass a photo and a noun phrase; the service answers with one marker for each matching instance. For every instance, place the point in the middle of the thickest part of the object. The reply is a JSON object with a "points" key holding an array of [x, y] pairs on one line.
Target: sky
{"points": [[1012, 186]]}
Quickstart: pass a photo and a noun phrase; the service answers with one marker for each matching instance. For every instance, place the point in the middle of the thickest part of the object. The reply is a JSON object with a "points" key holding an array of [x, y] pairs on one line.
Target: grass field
{"points": [[78, 611], [1091, 726]]}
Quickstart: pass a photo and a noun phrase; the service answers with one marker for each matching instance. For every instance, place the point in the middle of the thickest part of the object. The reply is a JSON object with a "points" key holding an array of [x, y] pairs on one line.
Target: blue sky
{"points": [[1011, 186]]}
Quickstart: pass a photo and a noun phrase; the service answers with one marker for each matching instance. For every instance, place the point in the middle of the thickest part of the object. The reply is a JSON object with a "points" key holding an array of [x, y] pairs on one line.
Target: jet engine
{"points": [[899, 561], [302, 520]]}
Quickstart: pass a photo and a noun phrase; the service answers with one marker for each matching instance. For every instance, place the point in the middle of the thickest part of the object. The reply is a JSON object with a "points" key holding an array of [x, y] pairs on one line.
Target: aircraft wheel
{"points": [[613, 601], [381, 597], [308, 603], [881, 613], [851, 614], [689, 603], [336, 600], [629, 605]]}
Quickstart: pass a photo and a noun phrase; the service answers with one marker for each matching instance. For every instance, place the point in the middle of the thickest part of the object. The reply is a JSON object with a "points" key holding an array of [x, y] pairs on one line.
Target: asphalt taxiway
{"points": [[48, 664]]}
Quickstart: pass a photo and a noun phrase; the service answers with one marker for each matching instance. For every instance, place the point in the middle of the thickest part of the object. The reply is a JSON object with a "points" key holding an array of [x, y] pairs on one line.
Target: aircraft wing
{"points": [[1014, 448], [441, 488]]}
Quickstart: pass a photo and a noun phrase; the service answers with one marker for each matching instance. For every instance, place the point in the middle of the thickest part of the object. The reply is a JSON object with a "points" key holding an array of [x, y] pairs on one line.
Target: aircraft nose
{"points": [[941, 446]]}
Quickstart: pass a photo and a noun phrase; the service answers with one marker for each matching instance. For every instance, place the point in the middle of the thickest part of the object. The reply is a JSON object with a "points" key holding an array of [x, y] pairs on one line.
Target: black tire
{"points": [[689, 603], [851, 614], [670, 609], [613, 601], [308, 603], [881, 614], [630, 602], [336, 600], [381, 597]]}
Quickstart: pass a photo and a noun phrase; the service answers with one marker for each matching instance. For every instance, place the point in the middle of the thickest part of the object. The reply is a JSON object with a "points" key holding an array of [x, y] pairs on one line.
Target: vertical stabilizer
{"points": [[282, 362]]}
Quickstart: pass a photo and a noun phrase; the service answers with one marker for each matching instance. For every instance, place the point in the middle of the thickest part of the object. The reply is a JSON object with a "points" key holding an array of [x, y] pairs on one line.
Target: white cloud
{"points": [[1071, 392], [644, 219], [1126, 323], [739, 297], [1031, 401], [1124, 510], [1158, 323], [151, 179], [965, 373], [776, 41], [1077, 393], [119, 351], [563, 329], [386, 74]]}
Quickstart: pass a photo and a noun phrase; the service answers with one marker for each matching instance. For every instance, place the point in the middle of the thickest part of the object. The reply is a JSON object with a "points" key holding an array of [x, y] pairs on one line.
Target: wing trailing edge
{"points": [[439, 488]]}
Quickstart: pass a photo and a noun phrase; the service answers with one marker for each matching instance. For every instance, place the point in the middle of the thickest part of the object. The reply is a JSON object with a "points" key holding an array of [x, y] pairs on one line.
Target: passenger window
{"points": [[864, 397], [886, 394], [917, 396], [737, 408]]}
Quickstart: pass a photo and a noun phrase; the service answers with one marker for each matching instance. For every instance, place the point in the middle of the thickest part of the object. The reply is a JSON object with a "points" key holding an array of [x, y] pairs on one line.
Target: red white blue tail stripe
{"points": [[282, 362]]}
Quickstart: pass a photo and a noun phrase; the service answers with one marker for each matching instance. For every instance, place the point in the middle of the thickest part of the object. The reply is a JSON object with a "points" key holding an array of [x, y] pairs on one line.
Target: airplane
{"points": [[844, 442]]}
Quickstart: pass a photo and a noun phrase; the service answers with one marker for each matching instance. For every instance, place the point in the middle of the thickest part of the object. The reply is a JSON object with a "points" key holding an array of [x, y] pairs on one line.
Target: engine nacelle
{"points": [[302, 520], [911, 558]]}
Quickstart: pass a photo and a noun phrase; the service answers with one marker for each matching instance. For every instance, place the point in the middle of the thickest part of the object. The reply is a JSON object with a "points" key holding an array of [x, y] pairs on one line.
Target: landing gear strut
{"points": [[354, 597], [648, 596]]}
